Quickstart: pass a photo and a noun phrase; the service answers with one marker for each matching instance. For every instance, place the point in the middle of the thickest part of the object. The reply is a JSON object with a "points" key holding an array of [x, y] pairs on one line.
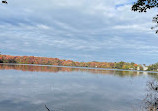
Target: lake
{"points": [[31, 87]]}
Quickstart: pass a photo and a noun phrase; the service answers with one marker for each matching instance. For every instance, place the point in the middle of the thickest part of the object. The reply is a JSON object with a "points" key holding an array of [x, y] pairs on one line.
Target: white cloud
{"points": [[41, 26], [70, 26]]}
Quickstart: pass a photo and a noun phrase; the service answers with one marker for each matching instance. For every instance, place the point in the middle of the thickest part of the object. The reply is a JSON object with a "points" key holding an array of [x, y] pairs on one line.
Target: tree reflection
{"points": [[151, 100], [54, 69], [48, 109]]}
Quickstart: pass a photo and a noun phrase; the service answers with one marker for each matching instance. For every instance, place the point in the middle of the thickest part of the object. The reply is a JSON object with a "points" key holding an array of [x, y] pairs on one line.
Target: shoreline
{"points": [[78, 67]]}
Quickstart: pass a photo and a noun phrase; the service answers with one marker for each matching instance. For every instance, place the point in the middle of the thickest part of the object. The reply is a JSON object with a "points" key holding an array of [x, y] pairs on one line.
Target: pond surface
{"points": [[30, 88]]}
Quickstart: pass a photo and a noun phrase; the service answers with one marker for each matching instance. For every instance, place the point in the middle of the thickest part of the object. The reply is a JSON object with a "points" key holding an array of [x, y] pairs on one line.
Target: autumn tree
{"points": [[1, 61], [144, 6], [119, 65]]}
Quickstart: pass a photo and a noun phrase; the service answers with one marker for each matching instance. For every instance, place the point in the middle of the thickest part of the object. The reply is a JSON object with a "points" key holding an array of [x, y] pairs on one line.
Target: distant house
{"points": [[144, 67], [138, 68]]}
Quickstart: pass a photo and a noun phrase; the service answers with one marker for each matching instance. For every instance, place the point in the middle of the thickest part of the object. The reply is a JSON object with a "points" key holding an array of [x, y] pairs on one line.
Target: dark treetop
{"points": [[143, 6]]}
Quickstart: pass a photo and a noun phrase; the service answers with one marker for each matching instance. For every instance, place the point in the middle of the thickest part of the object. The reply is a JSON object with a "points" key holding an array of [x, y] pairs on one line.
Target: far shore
{"points": [[78, 67], [45, 61]]}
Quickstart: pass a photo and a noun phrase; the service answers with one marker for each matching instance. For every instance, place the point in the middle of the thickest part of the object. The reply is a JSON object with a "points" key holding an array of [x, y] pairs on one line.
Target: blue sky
{"points": [[80, 30]]}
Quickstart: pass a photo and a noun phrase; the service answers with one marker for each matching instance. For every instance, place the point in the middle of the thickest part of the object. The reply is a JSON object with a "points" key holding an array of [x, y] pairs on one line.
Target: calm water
{"points": [[30, 88]]}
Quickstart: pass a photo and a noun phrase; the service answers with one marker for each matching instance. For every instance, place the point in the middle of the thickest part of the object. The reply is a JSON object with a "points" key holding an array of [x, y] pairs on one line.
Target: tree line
{"points": [[59, 62]]}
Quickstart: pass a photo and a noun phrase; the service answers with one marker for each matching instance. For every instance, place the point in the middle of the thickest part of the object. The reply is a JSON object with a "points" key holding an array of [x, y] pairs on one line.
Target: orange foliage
{"points": [[55, 61]]}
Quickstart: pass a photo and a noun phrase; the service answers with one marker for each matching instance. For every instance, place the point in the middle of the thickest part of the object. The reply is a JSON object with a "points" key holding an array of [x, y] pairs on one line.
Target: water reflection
{"points": [[37, 68], [150, 103], [30, 88]]}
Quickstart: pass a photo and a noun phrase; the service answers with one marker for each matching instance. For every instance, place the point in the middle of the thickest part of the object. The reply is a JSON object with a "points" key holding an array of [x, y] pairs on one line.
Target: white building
{"points": [[138, 68], [145, 67]]}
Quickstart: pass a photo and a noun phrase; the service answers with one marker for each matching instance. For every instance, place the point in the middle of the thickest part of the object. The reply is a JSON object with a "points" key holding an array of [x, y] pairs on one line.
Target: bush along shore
{"points": [[59, 62]]}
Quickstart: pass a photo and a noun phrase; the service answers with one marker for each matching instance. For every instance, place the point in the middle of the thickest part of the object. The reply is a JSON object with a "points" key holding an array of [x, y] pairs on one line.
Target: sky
{"points": [[79, 30]]}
